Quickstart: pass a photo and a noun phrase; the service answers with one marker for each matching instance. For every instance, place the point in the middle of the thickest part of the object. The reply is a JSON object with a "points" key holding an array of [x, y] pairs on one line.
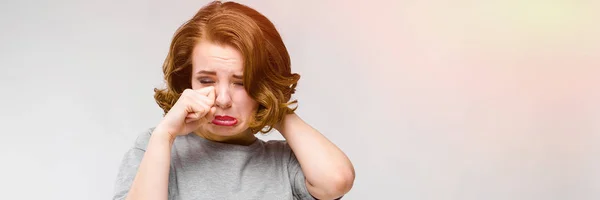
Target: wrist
{"points": [[163, 135], [285, 122]]}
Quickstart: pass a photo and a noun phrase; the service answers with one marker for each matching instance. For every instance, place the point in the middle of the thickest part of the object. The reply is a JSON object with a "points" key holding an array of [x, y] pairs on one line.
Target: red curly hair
{"points": [[267, 73]]}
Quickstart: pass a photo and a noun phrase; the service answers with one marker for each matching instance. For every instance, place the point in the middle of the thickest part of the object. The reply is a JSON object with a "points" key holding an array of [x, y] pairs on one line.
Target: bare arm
{"points": [[328, 171], [152, 178]]}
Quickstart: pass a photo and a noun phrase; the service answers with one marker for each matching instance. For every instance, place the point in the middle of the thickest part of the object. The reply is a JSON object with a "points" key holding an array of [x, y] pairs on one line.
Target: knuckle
{"points": [[187, 91]]}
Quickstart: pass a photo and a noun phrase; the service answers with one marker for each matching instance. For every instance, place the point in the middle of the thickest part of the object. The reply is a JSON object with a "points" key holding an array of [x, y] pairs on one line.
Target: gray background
{"points": [[430, 99]]}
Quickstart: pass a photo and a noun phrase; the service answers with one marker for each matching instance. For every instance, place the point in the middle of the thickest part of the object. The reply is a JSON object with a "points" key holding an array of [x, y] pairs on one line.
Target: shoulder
{"points": [[280, 145], [142, 139], [279, 148]]}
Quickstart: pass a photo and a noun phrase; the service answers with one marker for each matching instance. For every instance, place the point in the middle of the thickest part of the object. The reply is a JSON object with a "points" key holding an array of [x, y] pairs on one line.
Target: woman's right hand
{"points": [[188, 112]]}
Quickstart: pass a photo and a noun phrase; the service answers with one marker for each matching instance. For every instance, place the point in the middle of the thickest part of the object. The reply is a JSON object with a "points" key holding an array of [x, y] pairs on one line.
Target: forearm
{"points": [[152, 178], [327, 169]]}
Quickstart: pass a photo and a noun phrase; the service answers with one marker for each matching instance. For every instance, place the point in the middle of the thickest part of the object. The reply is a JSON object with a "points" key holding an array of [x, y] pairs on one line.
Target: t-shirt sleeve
{"points": [[297, 179], [129, 166]]}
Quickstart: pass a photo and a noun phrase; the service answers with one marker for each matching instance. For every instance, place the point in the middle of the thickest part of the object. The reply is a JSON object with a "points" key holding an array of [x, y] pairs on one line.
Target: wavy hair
{"points": [[267, 72]]}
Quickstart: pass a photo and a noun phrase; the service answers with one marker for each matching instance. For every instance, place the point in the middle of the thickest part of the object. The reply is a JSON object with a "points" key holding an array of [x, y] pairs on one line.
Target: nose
{"points": [[223, 96]]}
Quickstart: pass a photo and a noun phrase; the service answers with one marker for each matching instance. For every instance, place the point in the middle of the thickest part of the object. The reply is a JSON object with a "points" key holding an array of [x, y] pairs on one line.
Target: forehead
{"points": [[216, 57]]}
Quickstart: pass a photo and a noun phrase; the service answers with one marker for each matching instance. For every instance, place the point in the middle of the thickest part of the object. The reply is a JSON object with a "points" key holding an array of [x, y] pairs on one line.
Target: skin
{"points": [[222, 67], [217, 90]]}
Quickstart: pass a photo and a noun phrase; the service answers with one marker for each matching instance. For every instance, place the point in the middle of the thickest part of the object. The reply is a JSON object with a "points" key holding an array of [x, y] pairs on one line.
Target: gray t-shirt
{"points": [[204, 169]]}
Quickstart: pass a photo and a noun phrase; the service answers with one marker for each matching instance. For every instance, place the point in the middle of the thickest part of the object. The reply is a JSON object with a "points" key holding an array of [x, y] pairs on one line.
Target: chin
{"points": [[224, 130]]}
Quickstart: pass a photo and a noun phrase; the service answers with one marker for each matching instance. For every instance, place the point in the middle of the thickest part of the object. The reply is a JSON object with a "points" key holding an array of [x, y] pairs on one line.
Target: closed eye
{"points": [[206, 81]]}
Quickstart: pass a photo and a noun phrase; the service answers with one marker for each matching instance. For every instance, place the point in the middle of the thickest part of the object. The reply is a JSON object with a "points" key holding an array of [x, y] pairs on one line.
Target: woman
{"points": [[228, 77]]}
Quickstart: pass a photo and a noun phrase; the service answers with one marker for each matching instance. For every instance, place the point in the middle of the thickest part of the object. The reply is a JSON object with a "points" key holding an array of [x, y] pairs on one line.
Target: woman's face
{"points": [[222, 66]]}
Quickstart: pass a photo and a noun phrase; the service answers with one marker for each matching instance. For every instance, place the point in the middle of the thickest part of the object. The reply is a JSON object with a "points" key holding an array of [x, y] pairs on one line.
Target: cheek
{"points": [[245, 103], [196, 85]]}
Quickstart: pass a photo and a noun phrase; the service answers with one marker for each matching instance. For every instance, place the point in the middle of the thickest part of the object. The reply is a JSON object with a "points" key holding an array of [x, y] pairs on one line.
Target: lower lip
{"points": [[220, 122]]}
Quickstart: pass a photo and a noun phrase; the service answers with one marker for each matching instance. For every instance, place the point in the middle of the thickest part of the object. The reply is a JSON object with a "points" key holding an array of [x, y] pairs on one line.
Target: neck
{"points": [[245, 138]]}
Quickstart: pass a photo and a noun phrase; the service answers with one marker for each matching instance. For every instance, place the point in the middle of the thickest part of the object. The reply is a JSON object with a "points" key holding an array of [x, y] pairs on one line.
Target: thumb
{"points": [[213, 110]]}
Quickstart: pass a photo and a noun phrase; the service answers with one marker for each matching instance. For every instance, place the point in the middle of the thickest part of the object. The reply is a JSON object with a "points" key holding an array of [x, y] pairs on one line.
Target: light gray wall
{"points": [[430, 99]]}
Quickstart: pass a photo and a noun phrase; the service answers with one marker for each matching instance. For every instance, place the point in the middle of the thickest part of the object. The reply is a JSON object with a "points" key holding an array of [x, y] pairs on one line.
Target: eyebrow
{"points": [[238, 76], [207, 72], [215, 73]]}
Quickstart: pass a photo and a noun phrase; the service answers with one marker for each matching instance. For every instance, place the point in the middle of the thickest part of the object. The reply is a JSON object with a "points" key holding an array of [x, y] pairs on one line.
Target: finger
{"points": [[196, 108], [213, 110], [205, 91], [207, 100], [208, 92], [198, 113], [211, 94], [191, 117], [194, 124], [210, 102], [187, 121]]}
